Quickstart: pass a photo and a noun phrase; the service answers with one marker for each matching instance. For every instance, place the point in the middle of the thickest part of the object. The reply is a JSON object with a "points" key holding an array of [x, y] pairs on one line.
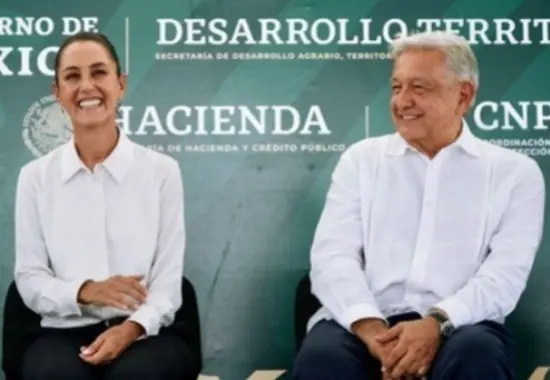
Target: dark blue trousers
{"points": [[478, 352]]}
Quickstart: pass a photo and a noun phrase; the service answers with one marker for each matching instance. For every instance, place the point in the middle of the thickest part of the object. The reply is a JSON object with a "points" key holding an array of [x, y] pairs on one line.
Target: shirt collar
{"points": [[117, 163], [397, 146]]}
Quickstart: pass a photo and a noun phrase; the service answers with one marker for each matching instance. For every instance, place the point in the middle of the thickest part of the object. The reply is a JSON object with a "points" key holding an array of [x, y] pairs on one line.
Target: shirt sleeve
{"points": [[164, 287], [40, 290], [337, 275], [494, 291]]}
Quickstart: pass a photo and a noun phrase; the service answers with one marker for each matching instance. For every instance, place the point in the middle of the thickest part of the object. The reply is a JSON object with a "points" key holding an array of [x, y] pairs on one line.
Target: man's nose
{"points": [[404, 99]]}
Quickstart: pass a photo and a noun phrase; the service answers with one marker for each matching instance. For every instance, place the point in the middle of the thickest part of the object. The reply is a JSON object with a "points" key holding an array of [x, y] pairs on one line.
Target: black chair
{"points": [[21, 324], [305, 305]]}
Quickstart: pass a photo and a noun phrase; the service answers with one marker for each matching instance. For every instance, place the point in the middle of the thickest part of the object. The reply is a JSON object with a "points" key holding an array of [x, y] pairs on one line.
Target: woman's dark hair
{"points": [[87, 36]]}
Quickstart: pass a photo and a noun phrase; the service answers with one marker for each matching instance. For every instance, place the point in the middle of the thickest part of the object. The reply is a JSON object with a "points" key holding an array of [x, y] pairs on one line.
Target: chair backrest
{"points": [[21, 324], [189, 315], [305, 305]]}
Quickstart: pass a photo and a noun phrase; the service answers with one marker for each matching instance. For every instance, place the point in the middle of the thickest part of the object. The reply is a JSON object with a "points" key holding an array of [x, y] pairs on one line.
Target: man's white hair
{"points": [[460, 57]]}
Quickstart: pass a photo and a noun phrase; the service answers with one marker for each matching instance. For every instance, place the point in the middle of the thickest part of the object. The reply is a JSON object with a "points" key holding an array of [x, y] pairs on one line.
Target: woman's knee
{"points": [[56, 371], [161, 357], [54, 358]]}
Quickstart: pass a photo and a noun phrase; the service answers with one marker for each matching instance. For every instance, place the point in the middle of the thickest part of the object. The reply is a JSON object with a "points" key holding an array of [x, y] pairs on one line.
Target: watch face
{"points": [[447, 328]]}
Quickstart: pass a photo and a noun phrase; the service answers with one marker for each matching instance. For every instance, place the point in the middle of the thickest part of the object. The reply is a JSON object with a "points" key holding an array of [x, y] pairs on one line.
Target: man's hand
{"points": [[367, 330], [123, 292], [381, 351], [417, 345], [111, 343]]}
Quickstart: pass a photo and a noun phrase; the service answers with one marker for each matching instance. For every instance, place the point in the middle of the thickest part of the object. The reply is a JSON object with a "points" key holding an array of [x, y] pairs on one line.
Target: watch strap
{"points": [[438, 316]]}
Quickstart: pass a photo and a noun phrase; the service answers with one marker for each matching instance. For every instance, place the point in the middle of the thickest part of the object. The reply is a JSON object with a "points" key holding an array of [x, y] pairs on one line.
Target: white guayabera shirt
{"points": [[126, 218], [400, 232]]}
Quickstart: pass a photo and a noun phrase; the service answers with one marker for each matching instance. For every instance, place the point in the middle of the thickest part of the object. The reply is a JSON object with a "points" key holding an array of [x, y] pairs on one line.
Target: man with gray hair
{"points": [[427, 237]]}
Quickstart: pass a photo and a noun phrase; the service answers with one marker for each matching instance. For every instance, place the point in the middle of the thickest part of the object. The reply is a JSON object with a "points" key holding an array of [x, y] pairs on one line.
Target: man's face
{"points": [[427, 97]]}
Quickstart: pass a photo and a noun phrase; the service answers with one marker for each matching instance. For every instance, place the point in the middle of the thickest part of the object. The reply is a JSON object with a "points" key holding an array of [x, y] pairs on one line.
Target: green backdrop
{"points": [[256, 99]]}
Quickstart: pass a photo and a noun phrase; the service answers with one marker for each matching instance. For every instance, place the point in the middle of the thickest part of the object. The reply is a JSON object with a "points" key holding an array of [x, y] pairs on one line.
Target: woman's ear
{"points": [[122, 79], [55, 90]]}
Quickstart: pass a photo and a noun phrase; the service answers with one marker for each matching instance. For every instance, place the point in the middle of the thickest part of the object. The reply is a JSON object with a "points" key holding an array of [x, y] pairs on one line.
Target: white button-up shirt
{"points": [[400, 232], [124, 218]]}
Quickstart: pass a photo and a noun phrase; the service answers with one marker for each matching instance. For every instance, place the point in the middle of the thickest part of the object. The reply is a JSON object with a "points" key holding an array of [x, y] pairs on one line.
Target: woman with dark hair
{"points": [[100, 237]]}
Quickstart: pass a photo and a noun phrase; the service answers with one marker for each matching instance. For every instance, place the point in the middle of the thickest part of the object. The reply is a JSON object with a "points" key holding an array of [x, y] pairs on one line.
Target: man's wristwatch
{"points": [[446, 328]]}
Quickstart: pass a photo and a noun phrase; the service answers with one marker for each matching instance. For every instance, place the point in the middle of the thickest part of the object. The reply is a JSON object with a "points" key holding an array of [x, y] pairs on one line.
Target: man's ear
{"points": [[467, 95]]}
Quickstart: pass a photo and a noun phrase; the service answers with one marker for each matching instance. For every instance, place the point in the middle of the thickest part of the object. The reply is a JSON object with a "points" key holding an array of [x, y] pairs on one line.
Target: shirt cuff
{"points": [[361, 311], [148, 319], [459, 314], [68, 295]]}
